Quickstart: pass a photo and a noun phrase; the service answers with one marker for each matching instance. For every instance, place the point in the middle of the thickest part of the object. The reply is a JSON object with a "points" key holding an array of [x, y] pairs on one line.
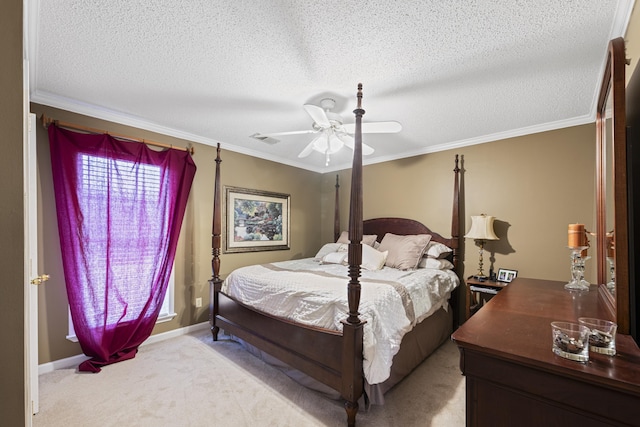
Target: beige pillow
{"points": [[405, 252], [369, 239]]}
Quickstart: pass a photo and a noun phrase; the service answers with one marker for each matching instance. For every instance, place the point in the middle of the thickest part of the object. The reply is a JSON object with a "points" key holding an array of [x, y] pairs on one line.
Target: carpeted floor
{"points": [[192, 381]]}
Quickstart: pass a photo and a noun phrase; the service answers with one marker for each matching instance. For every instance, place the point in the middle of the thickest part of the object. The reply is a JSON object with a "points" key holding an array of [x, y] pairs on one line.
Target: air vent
{"points": [[266, 139]]}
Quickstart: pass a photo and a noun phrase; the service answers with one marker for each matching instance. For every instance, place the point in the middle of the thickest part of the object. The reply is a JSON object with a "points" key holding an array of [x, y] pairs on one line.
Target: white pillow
{"points": [[440, 264], [335, 258], [438, 250], [369, 239], [373, 259], [328, 248], [405, 252]]}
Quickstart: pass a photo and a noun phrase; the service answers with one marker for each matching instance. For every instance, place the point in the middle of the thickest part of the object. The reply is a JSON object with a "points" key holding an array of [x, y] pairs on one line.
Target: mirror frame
{"points": [[613, 85]]}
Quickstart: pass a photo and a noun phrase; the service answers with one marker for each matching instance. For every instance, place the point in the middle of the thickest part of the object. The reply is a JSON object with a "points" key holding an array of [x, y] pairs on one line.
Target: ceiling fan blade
{"points": [[318, 115], [374, 127], [348, 141], [367, 149], [309, 148], [295, 132]]}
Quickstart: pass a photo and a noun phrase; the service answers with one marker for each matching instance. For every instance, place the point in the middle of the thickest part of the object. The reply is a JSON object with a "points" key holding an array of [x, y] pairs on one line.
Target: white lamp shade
{"points": [[482, 228], [329, 143]]}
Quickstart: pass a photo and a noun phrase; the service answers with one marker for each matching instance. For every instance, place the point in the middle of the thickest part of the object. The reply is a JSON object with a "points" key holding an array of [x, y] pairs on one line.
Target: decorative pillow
{"points": [[369, 239], [439, 264], [335, 258], [438, 250], [405, 252], [373, 259], [330, 247]]}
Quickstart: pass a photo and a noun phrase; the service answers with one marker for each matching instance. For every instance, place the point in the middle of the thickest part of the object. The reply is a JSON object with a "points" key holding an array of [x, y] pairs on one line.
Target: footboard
{"points": [[315, 351]]}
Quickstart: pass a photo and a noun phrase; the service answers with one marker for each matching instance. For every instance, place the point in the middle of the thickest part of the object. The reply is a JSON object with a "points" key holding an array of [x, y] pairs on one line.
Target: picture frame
{"points": [[256, 220], [506, 275]]}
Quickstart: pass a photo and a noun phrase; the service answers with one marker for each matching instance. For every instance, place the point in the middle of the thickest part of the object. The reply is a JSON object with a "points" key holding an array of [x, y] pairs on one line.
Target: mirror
{"points": [[611, 189], [609, 208]]}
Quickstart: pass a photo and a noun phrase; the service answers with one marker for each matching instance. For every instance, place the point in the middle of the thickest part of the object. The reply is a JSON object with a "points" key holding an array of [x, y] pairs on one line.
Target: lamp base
{"points": [[480, 277]]}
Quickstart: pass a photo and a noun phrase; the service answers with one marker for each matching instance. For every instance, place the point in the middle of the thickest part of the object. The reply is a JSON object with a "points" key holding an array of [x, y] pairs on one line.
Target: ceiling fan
{"points": [[332, 132]]}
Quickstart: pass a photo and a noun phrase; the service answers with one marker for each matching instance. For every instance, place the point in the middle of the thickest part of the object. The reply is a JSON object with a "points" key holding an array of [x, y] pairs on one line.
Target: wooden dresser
{"points": [[514, 379]]}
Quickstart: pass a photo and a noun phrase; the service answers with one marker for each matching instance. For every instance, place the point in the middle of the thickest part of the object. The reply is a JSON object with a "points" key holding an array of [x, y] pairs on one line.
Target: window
{"points": [[133, 189]]}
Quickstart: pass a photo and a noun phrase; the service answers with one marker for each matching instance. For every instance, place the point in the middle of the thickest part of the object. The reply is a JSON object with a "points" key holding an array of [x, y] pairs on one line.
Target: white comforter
{"points": [[392, 301]]}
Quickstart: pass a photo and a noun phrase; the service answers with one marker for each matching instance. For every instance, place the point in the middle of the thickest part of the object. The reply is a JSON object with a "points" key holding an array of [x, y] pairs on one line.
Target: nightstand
{"points": [[479, 292]]}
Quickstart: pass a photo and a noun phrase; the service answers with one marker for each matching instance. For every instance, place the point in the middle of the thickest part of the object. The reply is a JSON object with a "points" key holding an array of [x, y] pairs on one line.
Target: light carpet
{"points": [[193, 381]]}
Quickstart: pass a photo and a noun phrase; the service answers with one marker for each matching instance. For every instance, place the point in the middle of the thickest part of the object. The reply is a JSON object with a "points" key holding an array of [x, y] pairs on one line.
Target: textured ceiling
{"points": [[453, 73]]}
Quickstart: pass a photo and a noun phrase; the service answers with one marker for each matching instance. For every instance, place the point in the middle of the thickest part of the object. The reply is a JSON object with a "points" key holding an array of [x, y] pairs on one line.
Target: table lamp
{"points": [[481, 231]]}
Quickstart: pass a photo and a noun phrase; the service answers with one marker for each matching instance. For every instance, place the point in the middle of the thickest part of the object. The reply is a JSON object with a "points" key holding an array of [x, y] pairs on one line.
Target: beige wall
{"points": [[534, 185], [632, 42], [12, 295], [193, 257]]}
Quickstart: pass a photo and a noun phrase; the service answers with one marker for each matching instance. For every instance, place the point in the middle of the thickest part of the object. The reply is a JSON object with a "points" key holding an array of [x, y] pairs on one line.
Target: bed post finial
{"points": [[216, 230]]}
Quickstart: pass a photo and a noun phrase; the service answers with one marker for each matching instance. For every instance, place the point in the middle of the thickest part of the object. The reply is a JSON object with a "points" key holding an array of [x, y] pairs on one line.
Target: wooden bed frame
{"points": [[331, 357]]}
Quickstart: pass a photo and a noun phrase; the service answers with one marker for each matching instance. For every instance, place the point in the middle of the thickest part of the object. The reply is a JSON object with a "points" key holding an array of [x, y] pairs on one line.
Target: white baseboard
{"points": [[76, 360]]}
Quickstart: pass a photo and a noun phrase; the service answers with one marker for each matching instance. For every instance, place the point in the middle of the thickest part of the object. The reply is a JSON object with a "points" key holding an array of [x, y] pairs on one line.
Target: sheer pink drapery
{"points": [[120, 207]]}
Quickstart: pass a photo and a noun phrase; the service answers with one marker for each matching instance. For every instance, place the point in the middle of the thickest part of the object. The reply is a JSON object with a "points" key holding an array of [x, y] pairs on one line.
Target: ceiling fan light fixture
{"points": [[328, 144], [335, 144]]}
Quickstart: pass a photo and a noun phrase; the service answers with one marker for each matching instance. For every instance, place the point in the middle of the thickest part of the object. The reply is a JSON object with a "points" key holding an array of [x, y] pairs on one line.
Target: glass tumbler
{"points": [[571, 341], [602, 335]]}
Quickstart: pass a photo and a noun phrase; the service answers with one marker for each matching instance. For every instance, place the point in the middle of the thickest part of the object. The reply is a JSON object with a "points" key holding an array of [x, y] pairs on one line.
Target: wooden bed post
{"points": [[455, 236], [455, 222], [215, 283], [352, 374], [336, 211]]}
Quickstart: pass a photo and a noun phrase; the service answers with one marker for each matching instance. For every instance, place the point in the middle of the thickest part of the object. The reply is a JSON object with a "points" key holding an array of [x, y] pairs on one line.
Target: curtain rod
{"points": [[46, 121]]}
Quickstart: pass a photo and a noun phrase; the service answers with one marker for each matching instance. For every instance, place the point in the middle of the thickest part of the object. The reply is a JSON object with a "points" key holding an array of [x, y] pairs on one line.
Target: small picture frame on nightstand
{"points": [[505, 275]]}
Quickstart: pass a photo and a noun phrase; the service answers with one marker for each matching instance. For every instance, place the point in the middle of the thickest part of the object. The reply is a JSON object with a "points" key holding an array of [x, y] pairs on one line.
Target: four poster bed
{"points": [[335, 344]]}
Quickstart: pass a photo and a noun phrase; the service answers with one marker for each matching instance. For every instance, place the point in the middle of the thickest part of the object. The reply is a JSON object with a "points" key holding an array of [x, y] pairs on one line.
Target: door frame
{"points": [[31, 268]]}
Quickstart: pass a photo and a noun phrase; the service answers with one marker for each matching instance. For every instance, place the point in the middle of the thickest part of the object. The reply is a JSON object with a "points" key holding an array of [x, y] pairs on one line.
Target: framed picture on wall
{"points": [[507, 276], [256, 220]]}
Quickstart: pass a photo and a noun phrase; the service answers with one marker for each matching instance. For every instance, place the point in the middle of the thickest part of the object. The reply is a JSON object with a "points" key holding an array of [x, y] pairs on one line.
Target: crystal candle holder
{"points": [[611, 285], [577, 282]]}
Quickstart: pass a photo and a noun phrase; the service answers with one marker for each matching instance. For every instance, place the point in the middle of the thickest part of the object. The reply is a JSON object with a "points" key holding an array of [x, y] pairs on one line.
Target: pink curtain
{"points": [[120, 207]]}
